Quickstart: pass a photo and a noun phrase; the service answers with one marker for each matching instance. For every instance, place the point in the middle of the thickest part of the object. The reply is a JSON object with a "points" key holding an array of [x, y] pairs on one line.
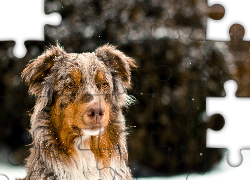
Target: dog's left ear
{"points": [[119, 63], [38, 69]]}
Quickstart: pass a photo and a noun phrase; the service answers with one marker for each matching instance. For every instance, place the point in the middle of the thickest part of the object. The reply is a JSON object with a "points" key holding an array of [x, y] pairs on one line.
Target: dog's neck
{"points": [[85, 160]]}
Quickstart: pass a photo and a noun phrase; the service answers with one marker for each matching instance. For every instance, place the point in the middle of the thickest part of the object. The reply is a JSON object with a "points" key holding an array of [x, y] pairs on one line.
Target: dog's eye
{"points": [[70, 85], [105, 85]]}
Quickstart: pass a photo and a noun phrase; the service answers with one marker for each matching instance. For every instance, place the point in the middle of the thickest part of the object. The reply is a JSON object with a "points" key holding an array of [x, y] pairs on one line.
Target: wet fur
{"points": [[65, 84]]}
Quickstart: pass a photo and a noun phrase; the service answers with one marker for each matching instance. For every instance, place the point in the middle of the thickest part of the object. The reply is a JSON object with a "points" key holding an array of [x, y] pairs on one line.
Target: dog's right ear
{"points": [[39, 68]]}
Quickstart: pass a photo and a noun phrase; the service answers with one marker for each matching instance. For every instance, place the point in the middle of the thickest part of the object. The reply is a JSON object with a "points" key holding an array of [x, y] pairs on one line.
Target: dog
{"points": [[77, 127]]}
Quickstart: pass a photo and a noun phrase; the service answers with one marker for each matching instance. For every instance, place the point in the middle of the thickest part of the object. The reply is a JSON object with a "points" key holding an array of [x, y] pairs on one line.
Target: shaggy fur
{"points": [[77, 125]]}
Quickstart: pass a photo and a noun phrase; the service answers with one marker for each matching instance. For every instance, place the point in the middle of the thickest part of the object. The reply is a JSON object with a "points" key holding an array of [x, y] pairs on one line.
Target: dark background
{"points": [[177, 70]]}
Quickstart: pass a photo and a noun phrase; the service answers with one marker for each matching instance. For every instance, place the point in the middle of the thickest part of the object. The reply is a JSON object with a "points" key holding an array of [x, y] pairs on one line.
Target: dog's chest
{"points": [[87, 165]]}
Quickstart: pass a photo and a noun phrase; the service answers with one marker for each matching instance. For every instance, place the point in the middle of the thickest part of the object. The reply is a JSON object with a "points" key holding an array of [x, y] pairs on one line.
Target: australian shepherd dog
{"points": [[77, 127]]}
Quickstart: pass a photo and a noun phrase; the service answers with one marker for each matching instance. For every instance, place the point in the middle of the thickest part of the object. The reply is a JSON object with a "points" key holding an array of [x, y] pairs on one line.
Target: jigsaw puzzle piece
{"points": [[27, 25], [164, 18], [189, 68], [104, 152], [197, 154], [163, 66], [107, 170], [235, 66], [141, 167], [141, 29], [168, 159], [232, 109], [17, 137], [110, 167], [183, 62], [179, 11], [106, 157], [159, 146], [216, 12], [4, 177], [169, 117], [224, 171], [218, 30], [8, 170], [14, 157], [16, 102], [168, 124], [149, 72], [240, 55], [99, 23]]}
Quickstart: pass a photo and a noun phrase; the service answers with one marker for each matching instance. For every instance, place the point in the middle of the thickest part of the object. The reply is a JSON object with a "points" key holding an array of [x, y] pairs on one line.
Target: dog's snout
{"points": [[95, 112], [87, 97]]}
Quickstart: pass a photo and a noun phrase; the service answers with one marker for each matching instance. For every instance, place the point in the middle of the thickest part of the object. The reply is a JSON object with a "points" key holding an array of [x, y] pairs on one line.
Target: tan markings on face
{"points": [[69, 122], [100, 81], [76, 79], [64, 134], [103, 145], [76, 114], [100, 76]]}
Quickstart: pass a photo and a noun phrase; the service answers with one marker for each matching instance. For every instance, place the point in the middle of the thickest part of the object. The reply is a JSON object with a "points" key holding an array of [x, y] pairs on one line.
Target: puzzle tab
{"points": [[235, 11], [4, 177], [237, 119], [27, 24]]}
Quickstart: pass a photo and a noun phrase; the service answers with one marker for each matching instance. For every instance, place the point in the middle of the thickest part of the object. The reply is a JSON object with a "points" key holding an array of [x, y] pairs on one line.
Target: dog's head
{"points": [[80, 91]]}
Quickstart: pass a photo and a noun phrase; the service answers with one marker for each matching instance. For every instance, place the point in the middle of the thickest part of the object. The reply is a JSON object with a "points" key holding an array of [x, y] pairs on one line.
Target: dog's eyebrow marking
{"points": [[100, 76], [76, 75], [78, 106]]}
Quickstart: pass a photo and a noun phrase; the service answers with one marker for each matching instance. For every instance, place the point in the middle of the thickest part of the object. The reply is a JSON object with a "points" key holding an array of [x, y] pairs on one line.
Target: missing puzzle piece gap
{"points": [[236, 113]]}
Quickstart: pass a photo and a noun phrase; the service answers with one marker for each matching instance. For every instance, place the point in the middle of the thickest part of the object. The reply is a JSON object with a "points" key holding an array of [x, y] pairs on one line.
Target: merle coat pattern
{"points": [[77, 126]]}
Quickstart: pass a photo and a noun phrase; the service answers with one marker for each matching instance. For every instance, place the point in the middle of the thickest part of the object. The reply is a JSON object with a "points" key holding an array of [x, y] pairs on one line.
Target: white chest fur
{"points": [[85, 162], [87, 167]]}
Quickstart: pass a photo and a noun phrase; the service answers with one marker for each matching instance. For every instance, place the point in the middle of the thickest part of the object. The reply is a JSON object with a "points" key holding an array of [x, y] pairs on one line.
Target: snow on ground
{"points": [[222, 171]]}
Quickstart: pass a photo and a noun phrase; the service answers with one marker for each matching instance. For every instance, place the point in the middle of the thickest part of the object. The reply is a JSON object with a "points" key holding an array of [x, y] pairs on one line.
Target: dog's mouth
{"points": [[89, 130], [92, 130]]}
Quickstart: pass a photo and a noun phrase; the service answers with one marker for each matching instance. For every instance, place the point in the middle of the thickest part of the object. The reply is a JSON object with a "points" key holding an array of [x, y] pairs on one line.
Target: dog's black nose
{"points": [[95, 112]]}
